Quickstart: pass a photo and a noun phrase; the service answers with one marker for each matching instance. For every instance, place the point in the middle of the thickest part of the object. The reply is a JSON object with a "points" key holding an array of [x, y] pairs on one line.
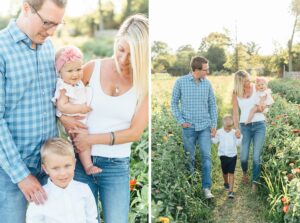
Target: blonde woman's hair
{"points": [[57, 146], [135, 32], [239, 80]]}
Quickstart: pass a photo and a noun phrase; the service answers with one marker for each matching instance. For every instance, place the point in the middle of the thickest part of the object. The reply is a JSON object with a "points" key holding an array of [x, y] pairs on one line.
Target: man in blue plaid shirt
{"points": [[27, 115], [194, 107]]}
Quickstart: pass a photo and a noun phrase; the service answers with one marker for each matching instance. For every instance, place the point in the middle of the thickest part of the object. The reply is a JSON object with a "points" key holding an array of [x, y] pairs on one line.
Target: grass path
{"points": [[246, 207]]}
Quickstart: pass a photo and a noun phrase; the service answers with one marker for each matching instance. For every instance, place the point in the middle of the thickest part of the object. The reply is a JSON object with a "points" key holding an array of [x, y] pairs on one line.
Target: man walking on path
{"points": [[194, 107]]}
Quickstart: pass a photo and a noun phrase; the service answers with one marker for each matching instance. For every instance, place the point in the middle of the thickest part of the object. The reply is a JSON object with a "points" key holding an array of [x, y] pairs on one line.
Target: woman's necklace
{"points": [[117, 90]]}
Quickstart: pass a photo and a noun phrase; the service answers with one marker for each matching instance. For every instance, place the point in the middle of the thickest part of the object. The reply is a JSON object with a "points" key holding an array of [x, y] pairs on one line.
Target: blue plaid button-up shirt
{"points": [[194, 103], [27, 115]]}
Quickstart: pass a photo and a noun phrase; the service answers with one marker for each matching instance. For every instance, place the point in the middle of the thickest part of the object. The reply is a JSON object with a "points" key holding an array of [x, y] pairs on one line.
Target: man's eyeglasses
{"points": [[47, 24]]}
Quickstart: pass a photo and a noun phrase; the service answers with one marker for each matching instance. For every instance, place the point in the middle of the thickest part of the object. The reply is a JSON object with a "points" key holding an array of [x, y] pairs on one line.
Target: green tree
{"points": [[214, 39], [184, 55], [238, 59], [217, 58], [295, 11], [161, 57]]}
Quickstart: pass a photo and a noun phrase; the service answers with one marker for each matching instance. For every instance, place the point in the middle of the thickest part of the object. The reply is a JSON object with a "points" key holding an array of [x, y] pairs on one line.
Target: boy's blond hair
{"points": [[226, 118], [57, 146]]}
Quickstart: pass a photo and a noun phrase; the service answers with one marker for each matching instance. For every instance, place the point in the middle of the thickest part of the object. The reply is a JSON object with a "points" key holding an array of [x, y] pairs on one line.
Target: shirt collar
{"points": [[17, 34], [55, 188], [191, 77]]}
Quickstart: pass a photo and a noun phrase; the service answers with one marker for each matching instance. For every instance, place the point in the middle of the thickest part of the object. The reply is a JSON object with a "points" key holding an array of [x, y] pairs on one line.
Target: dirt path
{"points": [[246, 207]]}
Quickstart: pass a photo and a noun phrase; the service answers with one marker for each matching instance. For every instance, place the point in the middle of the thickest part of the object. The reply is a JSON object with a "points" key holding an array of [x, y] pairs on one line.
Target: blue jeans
{"points": [[13, 204], [203, 138], [111, 185], [252, 133]]}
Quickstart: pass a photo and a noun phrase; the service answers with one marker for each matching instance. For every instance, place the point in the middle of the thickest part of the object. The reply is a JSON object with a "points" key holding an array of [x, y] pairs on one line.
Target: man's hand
{"points": [[213, 132], [186, 125], [32, 190]]}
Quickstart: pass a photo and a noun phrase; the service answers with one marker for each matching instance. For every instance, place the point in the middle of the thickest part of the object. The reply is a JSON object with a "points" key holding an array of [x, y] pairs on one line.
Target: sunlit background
{"points": [[89, 24], [253, 35]]}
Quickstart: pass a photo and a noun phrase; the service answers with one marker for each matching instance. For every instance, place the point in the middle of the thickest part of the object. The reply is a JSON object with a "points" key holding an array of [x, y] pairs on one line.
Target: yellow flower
{"points": [[164, 220]]}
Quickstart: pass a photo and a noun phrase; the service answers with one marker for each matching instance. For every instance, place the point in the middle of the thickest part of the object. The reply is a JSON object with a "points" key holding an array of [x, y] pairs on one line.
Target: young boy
{"points": [[227, 152], [68, 201]]}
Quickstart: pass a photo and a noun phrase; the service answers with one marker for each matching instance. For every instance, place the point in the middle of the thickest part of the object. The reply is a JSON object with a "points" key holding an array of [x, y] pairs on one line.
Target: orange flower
{"points": [[164, 220], [297, 170], [132, 184], [285, 208], [283, 199]]}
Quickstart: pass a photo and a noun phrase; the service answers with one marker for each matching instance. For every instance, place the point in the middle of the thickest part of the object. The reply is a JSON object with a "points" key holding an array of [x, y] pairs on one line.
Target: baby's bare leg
{"points": [[86, 160], [251, 114]]}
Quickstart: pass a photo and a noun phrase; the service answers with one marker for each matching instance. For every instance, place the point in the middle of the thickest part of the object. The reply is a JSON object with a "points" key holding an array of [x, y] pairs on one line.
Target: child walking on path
{"points": [[263, 97], [72, 97], [227, 151], [69, 201]]}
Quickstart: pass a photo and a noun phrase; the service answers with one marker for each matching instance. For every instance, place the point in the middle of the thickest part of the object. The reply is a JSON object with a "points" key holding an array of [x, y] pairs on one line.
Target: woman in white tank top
{"points": [[119, 117], [243, 99]]}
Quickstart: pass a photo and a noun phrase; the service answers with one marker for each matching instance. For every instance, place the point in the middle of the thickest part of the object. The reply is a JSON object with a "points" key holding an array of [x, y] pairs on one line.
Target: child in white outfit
{"points": [[68, 201], [227, 151], [72, 97], [263, 97]]}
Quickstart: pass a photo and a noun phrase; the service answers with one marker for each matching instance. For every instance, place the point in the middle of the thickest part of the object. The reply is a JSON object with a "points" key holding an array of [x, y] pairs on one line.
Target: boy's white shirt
{"points": [[73, 204], [228, 142]]}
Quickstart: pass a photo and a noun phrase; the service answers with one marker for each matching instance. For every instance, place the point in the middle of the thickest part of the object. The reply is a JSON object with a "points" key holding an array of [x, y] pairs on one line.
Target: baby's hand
{"points": [[85, 109]]}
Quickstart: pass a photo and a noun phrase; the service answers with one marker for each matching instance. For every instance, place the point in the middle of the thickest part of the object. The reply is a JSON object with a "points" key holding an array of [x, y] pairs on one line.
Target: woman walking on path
{"points": [[243, 98]]}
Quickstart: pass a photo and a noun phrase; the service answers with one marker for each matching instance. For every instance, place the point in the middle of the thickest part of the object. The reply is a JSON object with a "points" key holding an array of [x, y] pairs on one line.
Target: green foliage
{"points": [[288, 88], [181, 66], [216, 57], [3, 22], [214, 39], [175, 194], [139, 175], [281, 162], [161, 57], [97, 47]]}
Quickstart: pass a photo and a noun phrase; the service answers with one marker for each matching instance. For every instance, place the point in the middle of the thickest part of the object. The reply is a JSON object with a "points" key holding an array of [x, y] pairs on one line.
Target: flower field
{"points": [[178, 198]]}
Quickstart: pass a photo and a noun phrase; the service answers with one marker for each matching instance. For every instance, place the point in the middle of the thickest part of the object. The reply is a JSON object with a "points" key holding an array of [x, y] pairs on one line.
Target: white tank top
{"points": [[245, 105], [110, 113]]}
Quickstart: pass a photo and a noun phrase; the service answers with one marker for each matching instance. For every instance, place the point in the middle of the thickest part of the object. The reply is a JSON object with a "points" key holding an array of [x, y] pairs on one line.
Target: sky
{"points": [[179, 22]]}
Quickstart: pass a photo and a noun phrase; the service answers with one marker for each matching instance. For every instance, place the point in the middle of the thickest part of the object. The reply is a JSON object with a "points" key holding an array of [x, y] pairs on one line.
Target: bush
{"points": [[98, 47], [288, 88], [281, 162]]}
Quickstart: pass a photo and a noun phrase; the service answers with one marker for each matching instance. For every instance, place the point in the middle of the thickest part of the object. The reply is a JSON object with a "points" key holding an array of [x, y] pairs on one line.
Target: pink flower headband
{"points": [[66, 54]]}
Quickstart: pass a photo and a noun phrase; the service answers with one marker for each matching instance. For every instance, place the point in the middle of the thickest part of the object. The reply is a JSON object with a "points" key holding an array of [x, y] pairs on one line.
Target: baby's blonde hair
{"points": [[263, 79], [57, 146]]}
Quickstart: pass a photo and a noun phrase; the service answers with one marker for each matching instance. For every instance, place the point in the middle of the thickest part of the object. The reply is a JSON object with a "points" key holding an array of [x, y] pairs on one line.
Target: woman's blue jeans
{"points": [[13, 204], [203, 138], [111, 186], [252, 133]]}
